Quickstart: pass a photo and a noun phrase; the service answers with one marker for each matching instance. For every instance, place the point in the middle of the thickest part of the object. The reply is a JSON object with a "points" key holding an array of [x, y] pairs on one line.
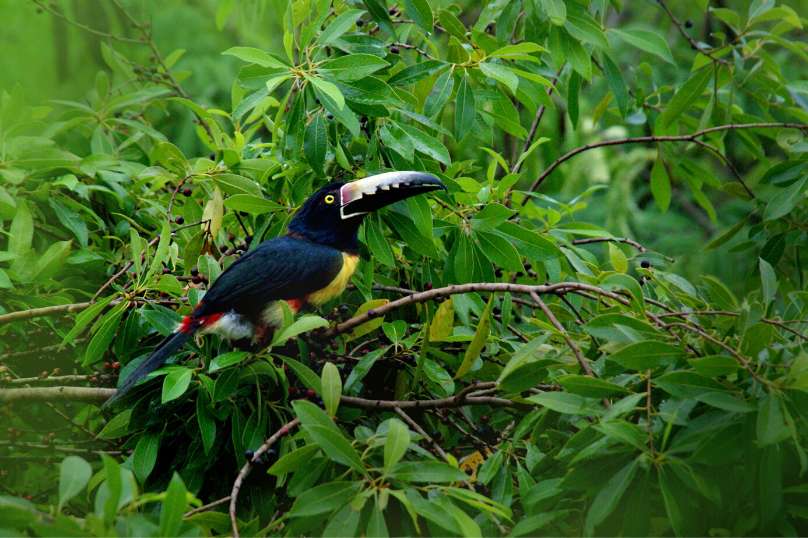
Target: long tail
{"points": [[167, 347]]}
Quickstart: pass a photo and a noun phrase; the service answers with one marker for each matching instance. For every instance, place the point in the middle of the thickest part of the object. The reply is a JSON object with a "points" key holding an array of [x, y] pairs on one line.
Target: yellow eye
{"points": [[329, 198]]}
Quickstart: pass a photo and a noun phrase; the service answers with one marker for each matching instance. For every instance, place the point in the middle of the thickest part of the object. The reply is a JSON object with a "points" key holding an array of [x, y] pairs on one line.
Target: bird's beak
{"points": [[374, 192]]}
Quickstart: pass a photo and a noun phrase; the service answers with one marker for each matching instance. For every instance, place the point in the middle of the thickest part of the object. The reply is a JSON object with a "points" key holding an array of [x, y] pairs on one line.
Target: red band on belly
{"points": [[189, 323]]}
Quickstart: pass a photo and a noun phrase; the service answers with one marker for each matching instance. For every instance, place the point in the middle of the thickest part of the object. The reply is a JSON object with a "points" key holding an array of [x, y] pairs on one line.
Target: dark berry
{"points": [[187, 191], [166, 270], [194, 271], [688, 23], [428, 286], [360, 23], [179, 220], [645, 264], [310, 393], [329, 116], [395, 50], [116, 365], [196, 279], [484, 419], [392, 11]]}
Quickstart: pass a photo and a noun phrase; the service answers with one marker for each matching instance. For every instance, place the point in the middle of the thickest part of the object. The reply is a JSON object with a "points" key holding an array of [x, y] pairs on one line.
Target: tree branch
{"points": [[458, 400], [44, 311], [564, 334], [245, 471], [78, 394], [656, 139]]}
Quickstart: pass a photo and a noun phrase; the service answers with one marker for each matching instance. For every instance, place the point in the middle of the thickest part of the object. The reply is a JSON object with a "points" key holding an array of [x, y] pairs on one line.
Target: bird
{"points": [[309, 265]]}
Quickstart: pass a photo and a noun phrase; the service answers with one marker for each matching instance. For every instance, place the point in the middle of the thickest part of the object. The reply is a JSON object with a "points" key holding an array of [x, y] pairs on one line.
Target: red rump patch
{"points": [[189, 323], [295, 304]]}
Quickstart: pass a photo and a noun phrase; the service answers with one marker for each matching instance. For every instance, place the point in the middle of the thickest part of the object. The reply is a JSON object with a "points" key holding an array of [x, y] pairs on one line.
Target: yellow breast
{"points": [[337, 286]]}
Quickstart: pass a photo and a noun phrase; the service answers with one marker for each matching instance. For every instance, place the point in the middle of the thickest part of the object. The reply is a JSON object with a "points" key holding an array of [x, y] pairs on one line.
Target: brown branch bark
{"points": [[245, 471], [44, 311], [458, 400], [656, 139], [582, 362], [50, 394]]}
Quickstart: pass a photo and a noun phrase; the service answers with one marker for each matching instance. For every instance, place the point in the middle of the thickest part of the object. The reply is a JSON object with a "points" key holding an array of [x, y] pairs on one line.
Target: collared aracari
{"points": [[310, 265]]}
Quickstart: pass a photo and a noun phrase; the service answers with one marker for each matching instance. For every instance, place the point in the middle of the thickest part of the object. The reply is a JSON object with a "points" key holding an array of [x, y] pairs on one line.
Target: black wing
{"points": [[281, 268]]}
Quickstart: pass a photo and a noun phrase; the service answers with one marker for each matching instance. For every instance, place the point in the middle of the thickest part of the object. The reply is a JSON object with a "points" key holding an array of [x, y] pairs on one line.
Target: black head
{"points": [[332, 215]]}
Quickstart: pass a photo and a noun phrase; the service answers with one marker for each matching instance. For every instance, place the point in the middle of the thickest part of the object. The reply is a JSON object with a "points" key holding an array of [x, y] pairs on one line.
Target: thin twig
{"points": [[206, 507], [626, 240], [44, 6], [415, 426], [78, 394], [245, 471], [44, 311], [656, 139], [693, 42], [564, 334]]}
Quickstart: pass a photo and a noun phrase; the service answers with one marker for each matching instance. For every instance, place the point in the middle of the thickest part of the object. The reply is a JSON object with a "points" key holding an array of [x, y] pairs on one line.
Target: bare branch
{"points": [[564, 334], [78, 394], [656, 139], [245, 471], [415, 426], [44, 311]]}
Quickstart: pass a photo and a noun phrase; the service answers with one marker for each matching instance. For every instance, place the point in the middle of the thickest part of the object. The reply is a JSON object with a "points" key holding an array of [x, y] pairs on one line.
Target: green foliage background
{"points": [[664, 393]]}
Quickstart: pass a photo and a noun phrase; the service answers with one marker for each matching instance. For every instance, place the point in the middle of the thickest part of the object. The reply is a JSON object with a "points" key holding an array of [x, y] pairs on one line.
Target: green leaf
{"points": [[396, 443], [107, 327], [175, 383], [661, 185], [331, 383], [785, 200], [610, 494], [590, 386], [315, 143], [328, 88], [617, 258], [583, 27], [226, 360], [443, 322], [352, 66], [519, 51], [74, 473], [768, 279], [305, 374], [341, 24], [256, 56], [294, 460], [118, 426], [161, 253], [427, 144], [21, 233], [326, 434], [562, 402], [464, 109], [573, 88], [323, 498], [646, 354], [556, 11], [684, 98], [51, 261], [501, 74], [173, 507], [771, 423], [420, 12], [647, 41], [145, 456], [714, 365], [302, 325], [616, 83], [499, 251], [440, 93], [416, 72], [371, 325], [478, 342], [254, 205], [207, 424], [378, 10], [428, 471]]}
